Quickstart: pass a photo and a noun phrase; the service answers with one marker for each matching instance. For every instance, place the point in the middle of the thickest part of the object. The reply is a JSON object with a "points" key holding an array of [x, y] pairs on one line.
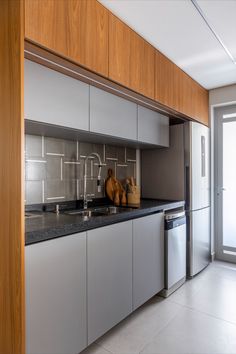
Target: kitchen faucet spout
{"points": [[85, 197]]}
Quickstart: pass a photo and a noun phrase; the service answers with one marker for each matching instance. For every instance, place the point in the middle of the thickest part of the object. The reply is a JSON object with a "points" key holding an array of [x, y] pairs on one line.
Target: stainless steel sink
{"points": [[32, 215], [109, 210], [84, 213], [98, 211]]}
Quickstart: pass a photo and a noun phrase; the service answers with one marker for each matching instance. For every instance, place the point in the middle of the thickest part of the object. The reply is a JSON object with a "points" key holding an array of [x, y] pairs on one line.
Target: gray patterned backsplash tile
{"points": [[115, 153], [72, 170], [54, 146], [35, 170], [33, 146], [54, 168], [54, 190], [70, 189], [121, 171], [130, 155], [71, 150], [34, 192], [86, 149]]}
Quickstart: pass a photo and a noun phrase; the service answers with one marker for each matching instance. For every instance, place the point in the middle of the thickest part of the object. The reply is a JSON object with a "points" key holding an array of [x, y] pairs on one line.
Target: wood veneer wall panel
{"points": [[12, 310], [76, 29]]}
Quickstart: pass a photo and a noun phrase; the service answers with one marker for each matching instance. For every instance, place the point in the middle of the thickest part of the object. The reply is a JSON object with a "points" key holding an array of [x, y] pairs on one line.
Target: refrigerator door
{"points": [[198, 240], [197, 159]]}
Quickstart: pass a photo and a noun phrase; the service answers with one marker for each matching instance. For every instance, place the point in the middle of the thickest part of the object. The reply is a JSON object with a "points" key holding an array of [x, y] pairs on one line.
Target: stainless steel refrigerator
{"points": [[182, 172]]}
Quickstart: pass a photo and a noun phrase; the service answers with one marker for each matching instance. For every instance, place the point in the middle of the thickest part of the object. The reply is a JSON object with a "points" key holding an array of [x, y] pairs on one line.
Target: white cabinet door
{"points": [[112, 115], [153, 127], [54, 98], [148, 257], [56, 296], [109, 277]]}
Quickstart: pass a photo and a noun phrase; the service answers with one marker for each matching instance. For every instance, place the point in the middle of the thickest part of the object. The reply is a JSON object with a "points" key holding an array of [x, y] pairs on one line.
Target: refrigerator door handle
{"points": [[187, 187], [203, 156]]}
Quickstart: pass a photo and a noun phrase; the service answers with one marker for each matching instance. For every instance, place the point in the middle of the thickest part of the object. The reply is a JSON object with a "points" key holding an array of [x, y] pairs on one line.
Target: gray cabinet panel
{"points": [[112, 115], [148, 257], [153, 127], [51, 97], [109, 277], [56, 296]]}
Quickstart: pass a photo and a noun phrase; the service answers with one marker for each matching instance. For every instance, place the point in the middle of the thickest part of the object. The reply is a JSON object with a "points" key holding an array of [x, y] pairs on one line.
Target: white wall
{"points": [[217, 97], [222, 95]]}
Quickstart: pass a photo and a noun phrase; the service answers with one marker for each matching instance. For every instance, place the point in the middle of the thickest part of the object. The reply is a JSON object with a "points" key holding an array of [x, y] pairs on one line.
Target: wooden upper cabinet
{"points": [[142, 66], [85, 32], [175, 89], [131, 58], [119, 51], [76, 29], [164, 80], [201, 104]]}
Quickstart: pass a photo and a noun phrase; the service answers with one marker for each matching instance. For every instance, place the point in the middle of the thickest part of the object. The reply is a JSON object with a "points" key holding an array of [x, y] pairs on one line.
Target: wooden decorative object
{"points": [[114, 189]]}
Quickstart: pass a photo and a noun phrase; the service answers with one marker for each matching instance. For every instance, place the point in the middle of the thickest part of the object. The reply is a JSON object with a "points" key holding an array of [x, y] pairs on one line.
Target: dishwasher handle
{"points": [[177, 222]]}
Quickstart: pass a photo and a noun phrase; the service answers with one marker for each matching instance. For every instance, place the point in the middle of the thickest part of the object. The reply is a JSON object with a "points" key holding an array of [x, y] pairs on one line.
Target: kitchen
{"points": [[96, 105]]}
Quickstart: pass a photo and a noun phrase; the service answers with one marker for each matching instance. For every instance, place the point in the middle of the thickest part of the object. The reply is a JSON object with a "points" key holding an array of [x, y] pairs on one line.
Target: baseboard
{"points": [[213, 256]]}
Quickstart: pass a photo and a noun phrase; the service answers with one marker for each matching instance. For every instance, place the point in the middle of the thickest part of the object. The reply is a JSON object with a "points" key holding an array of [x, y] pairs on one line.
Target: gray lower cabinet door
{"points": [[109, 277], [153, 127], [112, 115], [54, 98], [148, 257], [56, 296]]}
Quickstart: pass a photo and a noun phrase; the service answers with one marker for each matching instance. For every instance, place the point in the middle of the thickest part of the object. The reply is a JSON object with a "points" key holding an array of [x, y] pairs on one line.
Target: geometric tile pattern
{"points": [[54, 168]]}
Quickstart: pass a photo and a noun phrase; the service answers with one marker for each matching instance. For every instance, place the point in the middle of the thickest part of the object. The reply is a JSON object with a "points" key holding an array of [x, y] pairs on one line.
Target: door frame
{"points": [[218, 193]]}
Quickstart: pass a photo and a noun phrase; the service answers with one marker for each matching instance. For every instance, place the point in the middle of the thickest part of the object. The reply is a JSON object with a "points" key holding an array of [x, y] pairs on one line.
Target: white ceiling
{"points": [[177, 29]]}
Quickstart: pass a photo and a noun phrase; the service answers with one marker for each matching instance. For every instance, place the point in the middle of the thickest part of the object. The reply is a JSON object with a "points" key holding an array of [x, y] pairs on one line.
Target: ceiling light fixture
{"points": [[198, 8]]}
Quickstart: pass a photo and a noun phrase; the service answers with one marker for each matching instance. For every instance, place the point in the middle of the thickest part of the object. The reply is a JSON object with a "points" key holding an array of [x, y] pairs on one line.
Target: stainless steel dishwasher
{"points": [[175, 251]]}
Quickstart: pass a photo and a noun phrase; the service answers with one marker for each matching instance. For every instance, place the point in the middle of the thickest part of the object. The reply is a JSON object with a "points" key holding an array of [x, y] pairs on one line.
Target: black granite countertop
{"points": [[48, 225]]}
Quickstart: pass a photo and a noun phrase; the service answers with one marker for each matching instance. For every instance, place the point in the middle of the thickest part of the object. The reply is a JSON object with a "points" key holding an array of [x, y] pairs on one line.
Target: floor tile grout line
{"points": [[203, 312], [181, 307], [154, 334], [99, 345], [161, 329]]}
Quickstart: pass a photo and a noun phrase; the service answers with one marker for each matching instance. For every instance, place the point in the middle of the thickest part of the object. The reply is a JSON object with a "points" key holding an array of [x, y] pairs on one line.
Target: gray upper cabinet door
{"points": [[148, 257], [153, 127], [51, 97], [112, 115], [109, 277], [56, 296]]}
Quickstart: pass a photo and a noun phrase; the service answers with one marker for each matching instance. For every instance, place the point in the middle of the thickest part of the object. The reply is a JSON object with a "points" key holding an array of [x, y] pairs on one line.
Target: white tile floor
{"points": [[198, 318]]}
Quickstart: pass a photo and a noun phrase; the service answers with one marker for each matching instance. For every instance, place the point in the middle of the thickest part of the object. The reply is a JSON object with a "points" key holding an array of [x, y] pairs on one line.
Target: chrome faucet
{"points": [[95, 154]]}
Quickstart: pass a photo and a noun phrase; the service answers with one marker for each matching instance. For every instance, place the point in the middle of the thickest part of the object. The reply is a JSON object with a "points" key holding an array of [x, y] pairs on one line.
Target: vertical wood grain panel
{"points": [[119, 51], [76, 29], [12, 311], [142, 66], [164, 75], [177, 90]]}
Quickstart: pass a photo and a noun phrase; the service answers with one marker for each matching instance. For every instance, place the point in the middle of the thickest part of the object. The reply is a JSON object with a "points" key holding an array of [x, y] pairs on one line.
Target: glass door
{"points": [[225, 183]]}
